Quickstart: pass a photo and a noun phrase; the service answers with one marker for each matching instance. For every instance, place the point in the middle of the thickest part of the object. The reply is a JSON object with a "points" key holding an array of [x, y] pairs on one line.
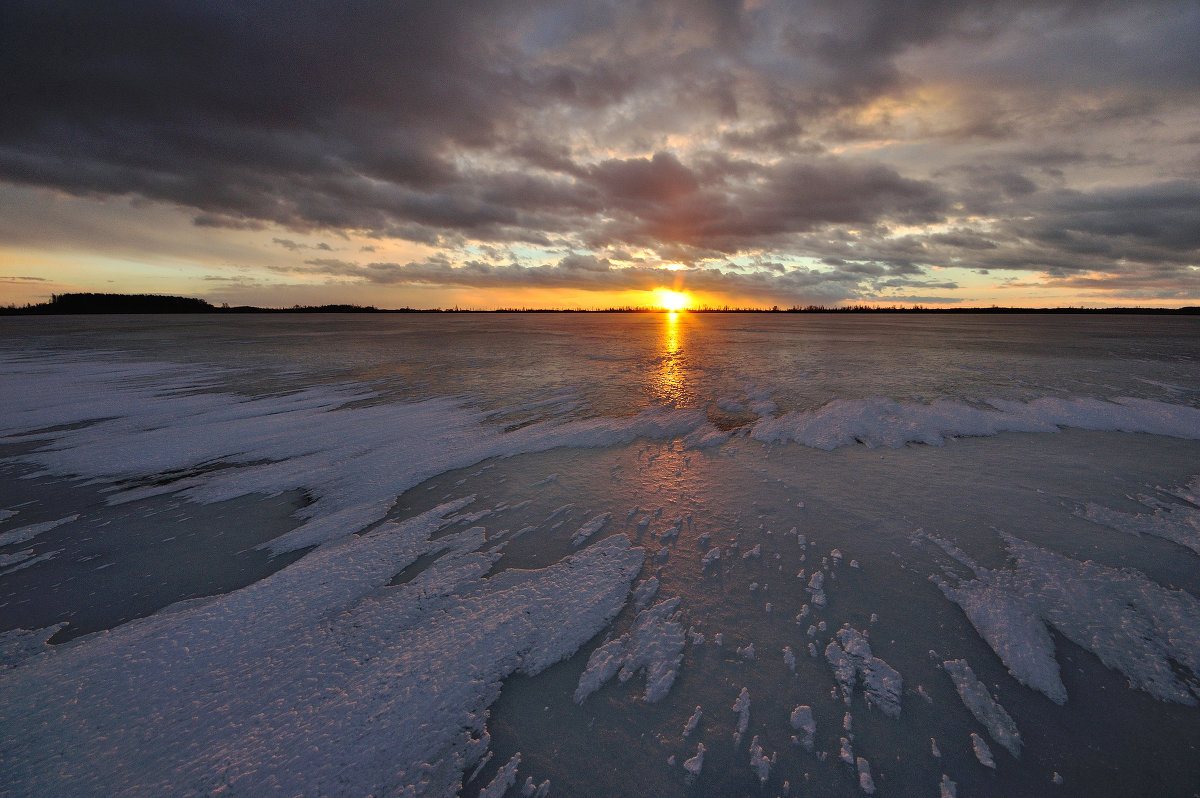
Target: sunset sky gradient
{"points": [[565, 154]]}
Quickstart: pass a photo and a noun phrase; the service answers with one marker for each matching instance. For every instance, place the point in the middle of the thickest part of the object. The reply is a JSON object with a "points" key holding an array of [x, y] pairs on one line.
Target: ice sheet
{"points": [[279, 685]]}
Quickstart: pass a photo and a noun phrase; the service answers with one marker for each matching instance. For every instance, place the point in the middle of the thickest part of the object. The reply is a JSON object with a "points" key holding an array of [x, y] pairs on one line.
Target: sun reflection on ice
{"points": [[670, 385]]}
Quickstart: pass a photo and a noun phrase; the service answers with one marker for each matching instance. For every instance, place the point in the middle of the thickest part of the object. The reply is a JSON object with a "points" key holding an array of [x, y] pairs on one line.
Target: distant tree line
{"points": [[156, 303]]}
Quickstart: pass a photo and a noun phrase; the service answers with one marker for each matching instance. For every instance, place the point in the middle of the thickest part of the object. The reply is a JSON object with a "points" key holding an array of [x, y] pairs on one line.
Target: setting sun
{"points": [[672, 300]]}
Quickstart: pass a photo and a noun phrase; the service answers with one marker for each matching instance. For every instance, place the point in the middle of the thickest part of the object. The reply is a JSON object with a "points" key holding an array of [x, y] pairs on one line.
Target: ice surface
{"points": [[654, 645], [802, 721], [530, 790], [1179, 523], [352, 456], [885, 422], [352, 448], [161, 705], [850, 657], [1131, 623], [982, 752], [694, 765], [25, 534], [865, 782], [742, 707], [760, 764], [505, 778], [985, 708], [644, 593]]}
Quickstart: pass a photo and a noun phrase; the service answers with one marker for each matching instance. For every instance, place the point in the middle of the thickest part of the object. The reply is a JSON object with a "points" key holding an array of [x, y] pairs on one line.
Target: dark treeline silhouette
{"points": [[155, 303]]}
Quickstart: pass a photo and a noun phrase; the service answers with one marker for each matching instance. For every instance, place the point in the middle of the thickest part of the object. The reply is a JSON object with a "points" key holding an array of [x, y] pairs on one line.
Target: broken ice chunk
{"points": [[815, 587], [654, 645], [759, 763], [802, 721], [933, 748], [711, 557], [746, 652], [504, 779], [847, 753], [850, 657], [755, 552], [789, 658], [948, 788], [590, 528], [982, 752], [540, 791], [696, 763], [985, 709], [865, 782], [644, 593], [742, 707], [693, 721]]}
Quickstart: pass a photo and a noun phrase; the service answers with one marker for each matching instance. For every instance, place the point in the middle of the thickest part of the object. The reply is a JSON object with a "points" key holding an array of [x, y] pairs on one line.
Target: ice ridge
{"points": [[276, 686]]}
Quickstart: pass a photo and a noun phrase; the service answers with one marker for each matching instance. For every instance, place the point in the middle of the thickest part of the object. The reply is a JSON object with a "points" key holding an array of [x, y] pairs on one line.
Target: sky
{"points": [[586, 154]]}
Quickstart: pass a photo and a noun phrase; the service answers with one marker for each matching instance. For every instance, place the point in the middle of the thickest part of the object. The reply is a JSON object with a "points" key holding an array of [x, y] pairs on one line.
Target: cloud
{"points": [[875, 136]]}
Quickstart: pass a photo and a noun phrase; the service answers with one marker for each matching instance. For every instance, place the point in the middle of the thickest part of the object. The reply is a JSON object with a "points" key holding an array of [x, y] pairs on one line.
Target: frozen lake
{"points": [[678, 555]]}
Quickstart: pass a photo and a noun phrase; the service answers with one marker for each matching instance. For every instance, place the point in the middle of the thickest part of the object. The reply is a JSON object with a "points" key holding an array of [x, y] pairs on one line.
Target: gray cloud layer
{"points": [[879, 138]]}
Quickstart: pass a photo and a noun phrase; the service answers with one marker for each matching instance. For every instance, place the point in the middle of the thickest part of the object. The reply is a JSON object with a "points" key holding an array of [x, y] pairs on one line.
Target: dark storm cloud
{"points": [[696, 131]]}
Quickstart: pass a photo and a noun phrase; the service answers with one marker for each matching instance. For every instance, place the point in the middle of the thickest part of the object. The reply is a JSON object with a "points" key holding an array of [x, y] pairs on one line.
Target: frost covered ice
{"points": [[655, 645], [406, 701], [377, 656], [985, 708], [1131, 623], [850, 657]]}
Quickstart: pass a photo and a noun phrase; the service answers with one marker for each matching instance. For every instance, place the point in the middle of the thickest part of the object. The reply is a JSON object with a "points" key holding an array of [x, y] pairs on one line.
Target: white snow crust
{"points": [[982, 752], [24, 534], [318, 679], [986, 710], [1179, 523], [853, 663], [1132, 624], [742, 707], [129, 421], [654, 645], [885, 422], [802, 721]]}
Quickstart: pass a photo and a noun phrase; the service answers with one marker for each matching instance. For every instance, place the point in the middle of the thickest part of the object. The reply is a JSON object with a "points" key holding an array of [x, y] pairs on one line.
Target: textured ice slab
{"points": [[886, 422], [850, 657], [590, 528], [279, 685], [27, 533], [1132, 624], [352, 455], [1179, 523], [654, 645], [742, 707], [985, 708]]}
